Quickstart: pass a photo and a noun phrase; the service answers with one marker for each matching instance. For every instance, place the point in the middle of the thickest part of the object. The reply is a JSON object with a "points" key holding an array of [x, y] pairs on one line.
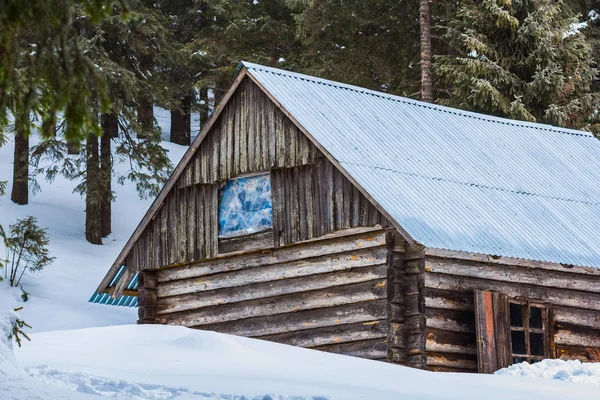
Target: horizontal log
{"points": [[506, 273], [192, 301], [450, 320], [449, 300], [575, 316], [563, 297], [451, 361], [373, 349], [579, 337], [583, 354], [332, 334], [291, 253], [318, 265], [303, 320], [257, 241], [439, 341], [330, 297], [434, 368], [347, 232], [468, 256]]}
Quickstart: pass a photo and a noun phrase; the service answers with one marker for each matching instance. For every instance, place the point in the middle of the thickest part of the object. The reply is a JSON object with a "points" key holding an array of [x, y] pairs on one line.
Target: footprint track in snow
{"points": [[121, 389]]}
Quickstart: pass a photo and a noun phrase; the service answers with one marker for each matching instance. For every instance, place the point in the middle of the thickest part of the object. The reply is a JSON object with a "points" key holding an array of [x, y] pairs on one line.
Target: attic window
{"points": [[245, 206]]}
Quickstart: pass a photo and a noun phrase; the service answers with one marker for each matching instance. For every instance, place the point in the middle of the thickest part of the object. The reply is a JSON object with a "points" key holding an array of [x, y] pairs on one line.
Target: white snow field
{"points": [[81, 350], [175, 362]]}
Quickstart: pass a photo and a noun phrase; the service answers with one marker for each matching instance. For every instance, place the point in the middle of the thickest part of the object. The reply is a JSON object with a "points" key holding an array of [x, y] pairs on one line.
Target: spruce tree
{"points": [[258, 31], [43, 69], [116, 49], [180, 66], [374, 44], [521, 60]]}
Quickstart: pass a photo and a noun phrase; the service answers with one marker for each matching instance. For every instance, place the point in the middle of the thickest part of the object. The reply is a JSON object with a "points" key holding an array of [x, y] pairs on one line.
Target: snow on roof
{"points": [[453, 179]]}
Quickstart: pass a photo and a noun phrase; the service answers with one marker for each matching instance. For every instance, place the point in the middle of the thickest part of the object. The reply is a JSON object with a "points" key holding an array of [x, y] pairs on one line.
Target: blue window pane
{"points": [[245, 206]]}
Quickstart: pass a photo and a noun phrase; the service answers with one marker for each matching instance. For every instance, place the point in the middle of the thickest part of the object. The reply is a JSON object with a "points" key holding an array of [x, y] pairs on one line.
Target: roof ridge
{"points": [[473, 184], [412, 102]]}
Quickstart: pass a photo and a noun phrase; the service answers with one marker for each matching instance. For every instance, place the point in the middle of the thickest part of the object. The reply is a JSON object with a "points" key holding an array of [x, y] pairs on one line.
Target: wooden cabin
{"points": [[318, 214]]}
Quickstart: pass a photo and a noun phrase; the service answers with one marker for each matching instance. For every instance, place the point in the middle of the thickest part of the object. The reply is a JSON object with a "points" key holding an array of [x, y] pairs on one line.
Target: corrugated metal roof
{"points": [[125, 301], [453, 179]]}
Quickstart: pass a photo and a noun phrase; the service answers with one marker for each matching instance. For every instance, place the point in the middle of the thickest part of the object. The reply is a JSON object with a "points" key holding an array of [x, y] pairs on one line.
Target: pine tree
{"points": [[374, 44], [181, 67], [43, 69], [114, 47], [521, 60], [260, 31], [27, 249]]}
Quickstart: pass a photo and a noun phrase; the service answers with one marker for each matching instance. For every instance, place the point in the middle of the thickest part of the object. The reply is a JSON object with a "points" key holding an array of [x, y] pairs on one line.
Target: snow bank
{"points": [[15, 384], [156, 361], [571, 371]]}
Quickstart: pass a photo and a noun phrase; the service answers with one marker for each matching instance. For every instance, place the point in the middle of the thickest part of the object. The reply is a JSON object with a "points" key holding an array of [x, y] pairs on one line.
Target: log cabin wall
{"points": [[328, 294], [319, 279], [572, 295]]}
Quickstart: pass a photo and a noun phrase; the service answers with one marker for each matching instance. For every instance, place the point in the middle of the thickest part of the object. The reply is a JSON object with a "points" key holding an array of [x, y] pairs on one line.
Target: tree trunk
{"points": [[110, 129], [145, 107], [145, 117], [204, 106], [20, 186], [92, 196], [181, 122], [426, 52]]}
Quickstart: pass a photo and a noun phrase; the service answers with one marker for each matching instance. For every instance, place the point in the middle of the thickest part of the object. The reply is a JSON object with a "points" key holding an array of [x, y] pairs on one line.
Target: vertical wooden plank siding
{"points": [[304, 208], [251, 135], [487, 359]]}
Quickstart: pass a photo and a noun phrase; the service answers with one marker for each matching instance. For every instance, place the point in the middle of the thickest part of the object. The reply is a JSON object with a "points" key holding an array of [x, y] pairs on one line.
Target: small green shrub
{"points": [[27, 249]]}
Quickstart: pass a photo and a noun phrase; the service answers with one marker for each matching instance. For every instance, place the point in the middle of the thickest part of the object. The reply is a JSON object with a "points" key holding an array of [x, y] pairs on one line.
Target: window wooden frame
{"points": [[526, 306]]}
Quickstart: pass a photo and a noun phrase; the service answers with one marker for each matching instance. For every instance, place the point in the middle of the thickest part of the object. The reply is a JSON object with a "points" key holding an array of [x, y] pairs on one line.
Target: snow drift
{"points": [[157, 361]]}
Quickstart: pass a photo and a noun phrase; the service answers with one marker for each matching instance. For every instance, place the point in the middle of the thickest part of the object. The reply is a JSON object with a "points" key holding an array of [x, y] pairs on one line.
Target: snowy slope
{"points": [[15, 383], [184, 363], [60, 293]]}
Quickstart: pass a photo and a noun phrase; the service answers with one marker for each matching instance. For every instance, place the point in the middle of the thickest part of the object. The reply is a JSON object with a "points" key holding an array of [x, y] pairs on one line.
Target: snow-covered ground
{"points": [[163, 362], [81, 350]]}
